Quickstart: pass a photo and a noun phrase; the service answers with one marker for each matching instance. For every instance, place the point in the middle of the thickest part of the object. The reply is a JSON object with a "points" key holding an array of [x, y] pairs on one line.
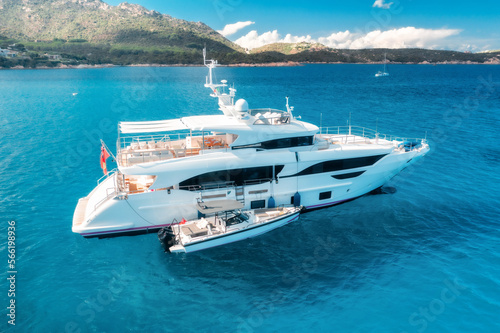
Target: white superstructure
{"points": [[260, 157]]}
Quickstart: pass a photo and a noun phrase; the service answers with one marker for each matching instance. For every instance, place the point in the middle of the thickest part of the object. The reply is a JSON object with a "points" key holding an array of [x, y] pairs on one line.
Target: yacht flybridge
{"points": [[263, 158]]}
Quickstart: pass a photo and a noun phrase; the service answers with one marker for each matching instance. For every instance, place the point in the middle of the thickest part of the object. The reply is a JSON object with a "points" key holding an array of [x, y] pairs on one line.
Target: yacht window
{"points": [[348, 175], [232, 177], [281, 143], [258, 204], [304, 141], [325, 195], [337, 165]]}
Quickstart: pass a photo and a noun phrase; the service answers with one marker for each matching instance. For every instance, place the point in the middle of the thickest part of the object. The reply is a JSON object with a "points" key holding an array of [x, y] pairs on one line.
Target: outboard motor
{"points": [[167, 238]]}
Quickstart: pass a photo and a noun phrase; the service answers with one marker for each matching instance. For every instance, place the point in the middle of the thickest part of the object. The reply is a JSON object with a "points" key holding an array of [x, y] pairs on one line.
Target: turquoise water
{"points": [[424, 259]]}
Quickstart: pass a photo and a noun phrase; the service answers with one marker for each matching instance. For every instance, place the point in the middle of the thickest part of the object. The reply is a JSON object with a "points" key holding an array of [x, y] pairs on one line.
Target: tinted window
{"points": [[337, 165], [258, 204], [281, 143], [348, 175], [325, 195], [236, 177]]}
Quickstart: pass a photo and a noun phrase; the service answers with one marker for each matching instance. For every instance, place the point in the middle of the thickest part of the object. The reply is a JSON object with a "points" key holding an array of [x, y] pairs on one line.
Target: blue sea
{"points": [[423, 259]]}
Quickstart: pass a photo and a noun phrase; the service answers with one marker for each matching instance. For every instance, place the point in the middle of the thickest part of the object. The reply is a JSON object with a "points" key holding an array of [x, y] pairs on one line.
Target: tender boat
{"points": [[263, 158], [224, 222]]}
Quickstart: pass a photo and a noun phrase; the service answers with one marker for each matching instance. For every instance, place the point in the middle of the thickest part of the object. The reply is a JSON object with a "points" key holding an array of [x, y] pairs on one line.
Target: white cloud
{"points": [[396, 38], [253, 40], [295, 39], [230, 29], [382, 4]]}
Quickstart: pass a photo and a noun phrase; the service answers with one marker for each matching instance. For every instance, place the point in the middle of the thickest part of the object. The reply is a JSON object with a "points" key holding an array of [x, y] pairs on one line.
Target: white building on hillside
{"points": [[8, 53]]}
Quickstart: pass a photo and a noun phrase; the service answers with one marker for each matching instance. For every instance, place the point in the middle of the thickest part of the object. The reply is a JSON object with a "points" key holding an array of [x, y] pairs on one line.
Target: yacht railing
{"points": [[104, 177], [355, 134], [110, 193], [145, 140], [208, 186], [257, 181], [151, 148]]}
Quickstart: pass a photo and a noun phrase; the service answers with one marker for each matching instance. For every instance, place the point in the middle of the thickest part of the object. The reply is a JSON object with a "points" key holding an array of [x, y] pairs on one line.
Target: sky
{"points": [[434, 24]]}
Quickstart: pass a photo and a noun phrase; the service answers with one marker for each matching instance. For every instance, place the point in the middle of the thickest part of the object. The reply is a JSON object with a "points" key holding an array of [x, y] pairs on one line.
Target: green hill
{"points": [[96, 32], [315, 52], [74, 32], [97, 22], [290, 48]]}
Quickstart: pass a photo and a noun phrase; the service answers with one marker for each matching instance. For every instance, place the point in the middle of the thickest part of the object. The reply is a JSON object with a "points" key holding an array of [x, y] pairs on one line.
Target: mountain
{"points": [[50, 33], [290, 48], [315, 52], [96, 22]]}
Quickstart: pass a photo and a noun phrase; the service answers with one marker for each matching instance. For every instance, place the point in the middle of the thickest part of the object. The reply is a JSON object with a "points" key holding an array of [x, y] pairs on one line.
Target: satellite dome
{"points": [[241, 105]]}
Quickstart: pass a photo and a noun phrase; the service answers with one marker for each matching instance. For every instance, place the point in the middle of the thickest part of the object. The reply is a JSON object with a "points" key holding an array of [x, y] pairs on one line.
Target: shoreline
{"points": [[271, 64]]}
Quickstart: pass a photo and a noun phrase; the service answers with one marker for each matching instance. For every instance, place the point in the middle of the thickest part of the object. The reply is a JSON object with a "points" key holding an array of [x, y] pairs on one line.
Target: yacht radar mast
{"points": [[226, 101], [289, 108]]}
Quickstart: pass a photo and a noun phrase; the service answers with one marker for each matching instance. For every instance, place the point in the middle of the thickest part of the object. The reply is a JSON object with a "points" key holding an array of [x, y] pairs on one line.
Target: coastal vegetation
{"points": [[61, 33]]}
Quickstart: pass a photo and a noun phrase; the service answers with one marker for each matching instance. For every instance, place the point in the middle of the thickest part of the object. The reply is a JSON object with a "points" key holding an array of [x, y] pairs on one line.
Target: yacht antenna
{"points": [[349, 123], [211, 64], [289, 108], [320, 122], [226, 101]]}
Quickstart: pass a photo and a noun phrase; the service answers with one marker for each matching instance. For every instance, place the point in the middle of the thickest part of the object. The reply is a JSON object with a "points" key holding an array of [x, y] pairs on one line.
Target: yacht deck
{"points": [[153, 148], [160, 147]]}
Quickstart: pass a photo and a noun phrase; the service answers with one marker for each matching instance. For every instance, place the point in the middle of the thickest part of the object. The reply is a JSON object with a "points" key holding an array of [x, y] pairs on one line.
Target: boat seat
{"points": [[193, 231]]}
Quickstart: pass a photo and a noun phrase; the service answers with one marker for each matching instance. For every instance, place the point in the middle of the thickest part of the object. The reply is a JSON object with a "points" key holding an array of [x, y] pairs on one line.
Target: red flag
{"points": [[104, 156], [183, 221]]}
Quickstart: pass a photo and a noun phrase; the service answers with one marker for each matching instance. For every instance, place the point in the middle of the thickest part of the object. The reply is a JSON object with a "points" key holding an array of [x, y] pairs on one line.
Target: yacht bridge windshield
{"points": [[270, 116]]}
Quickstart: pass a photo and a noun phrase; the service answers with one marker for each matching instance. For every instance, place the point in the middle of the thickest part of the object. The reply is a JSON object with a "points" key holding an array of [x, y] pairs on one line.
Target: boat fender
{"points": [[296, 199], [271, 203]]}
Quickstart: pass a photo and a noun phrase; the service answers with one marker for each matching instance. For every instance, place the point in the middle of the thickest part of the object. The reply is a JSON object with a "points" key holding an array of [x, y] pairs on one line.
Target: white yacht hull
{"points": [[109, 215]]}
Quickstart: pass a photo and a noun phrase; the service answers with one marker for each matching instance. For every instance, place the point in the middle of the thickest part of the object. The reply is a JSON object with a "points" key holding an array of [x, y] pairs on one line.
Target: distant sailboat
{"points": [[384, 72]]}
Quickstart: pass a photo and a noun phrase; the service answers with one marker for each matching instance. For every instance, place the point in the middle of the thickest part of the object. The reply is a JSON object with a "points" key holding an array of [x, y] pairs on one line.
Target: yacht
{"points": [[384, 72], [263, 158]]}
